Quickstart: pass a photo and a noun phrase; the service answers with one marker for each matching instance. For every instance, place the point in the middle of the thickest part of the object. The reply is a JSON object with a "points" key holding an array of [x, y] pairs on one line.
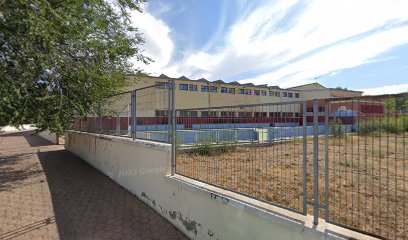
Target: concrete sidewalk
{"points": [[48, 193]]}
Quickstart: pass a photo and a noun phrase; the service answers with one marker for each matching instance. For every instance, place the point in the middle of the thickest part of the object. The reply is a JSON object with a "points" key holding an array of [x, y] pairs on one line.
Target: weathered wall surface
{"points": [[199, 210], [50, 136]]}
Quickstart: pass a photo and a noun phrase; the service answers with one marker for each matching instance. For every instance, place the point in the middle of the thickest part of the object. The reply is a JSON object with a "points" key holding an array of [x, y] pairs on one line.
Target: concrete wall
{"points": [[50, 136], [199, 210]]}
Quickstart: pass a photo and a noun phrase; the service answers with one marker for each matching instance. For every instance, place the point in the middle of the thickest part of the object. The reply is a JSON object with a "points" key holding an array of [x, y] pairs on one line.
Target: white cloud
{"points": [[159, 46], [390, 89], [289, 43]]}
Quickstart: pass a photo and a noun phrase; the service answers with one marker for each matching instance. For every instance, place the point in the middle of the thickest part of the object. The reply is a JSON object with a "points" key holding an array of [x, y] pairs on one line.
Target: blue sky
{"points": [[360, 45]]}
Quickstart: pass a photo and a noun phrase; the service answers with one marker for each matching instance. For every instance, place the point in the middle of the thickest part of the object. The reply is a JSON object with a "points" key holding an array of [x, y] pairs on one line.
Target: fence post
{"points": [[133, 114], [118, 124], [169, 112], [100, 113], [304, 157], [315, 161], [326, 159], [128, 116], [174, 128]]}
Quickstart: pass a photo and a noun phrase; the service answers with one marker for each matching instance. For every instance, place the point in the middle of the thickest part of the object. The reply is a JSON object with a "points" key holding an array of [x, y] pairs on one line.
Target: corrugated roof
{"points": [[163, 76], [183, 78], [219, 81], [202, 80], [235, 83]]}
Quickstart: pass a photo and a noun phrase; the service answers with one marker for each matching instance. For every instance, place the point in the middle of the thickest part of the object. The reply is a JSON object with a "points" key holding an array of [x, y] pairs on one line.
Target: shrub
{"points": [[395, 125], [208, 146], [368, 127], [337, 129]]}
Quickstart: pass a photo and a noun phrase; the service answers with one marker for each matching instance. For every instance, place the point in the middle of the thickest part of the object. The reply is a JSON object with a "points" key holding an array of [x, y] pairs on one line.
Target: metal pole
{"points": [[118, 124], [133, 114], [326, 159], [174, 128], [315, 161], [127, 115], [100, 113], [305, 158], [169, 112]]}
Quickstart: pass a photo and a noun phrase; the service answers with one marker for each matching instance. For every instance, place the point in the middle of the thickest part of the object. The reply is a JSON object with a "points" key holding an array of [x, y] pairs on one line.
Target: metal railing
{"points": [[141, 113], [343, 160]]}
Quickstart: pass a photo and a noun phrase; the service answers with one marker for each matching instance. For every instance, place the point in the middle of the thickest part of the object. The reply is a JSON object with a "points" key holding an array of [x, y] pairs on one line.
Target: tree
{"points": [[59, 58]]}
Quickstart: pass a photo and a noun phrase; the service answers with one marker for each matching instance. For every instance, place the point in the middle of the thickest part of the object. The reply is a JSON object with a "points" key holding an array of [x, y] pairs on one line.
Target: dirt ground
{"points": [[368, 177]]}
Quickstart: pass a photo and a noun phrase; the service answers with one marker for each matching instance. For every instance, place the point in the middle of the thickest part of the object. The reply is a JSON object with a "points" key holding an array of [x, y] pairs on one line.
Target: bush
{"points": [[395, 125], [337, 129], [208, 146], [368, 127]]}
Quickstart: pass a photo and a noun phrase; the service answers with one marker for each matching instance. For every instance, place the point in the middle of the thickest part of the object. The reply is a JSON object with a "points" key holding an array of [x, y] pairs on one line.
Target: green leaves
{"points": [[59, 58]]}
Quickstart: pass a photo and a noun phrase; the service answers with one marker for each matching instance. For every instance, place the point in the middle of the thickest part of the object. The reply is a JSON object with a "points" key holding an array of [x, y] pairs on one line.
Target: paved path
{"points": [[48, 193]]}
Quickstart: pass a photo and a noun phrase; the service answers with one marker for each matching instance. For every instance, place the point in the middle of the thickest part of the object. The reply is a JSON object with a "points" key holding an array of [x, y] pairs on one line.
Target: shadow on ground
{"points": [[87, 204]]}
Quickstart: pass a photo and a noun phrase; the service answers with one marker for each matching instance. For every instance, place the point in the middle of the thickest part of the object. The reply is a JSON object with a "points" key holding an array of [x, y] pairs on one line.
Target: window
{"points": [[161, 113], [209, 114], [213, 89], [290, 95], [277, 94], [193, 114], [160, 85], [248, 91], [271, 93], [231, 91], [224, 90], [205, 88], [321, 109], [224, 114], [285, 94], [241, 91], [257, 92], [297, 95], [227, 114], [183, 113], [184, 87], [244, 114], [260, 114], [274, 114], [193, 87], [263, 93]]}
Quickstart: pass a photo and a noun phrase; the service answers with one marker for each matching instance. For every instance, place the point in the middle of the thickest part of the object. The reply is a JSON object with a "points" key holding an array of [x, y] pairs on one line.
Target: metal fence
{"points": [[139, 114], [342, 159]]}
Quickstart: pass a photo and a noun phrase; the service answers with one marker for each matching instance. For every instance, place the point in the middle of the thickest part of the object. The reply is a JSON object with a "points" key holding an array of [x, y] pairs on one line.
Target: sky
{"points": [[360, 45]]}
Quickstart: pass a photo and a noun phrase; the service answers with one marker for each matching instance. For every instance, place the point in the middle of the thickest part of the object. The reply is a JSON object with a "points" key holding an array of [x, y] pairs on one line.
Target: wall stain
{"points": [[190, 225], [210, 233], [145, 196]]}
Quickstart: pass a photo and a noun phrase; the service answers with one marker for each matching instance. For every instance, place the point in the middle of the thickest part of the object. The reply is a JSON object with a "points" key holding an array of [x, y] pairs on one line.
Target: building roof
{"points": [[309, 86], [183, 78], [163, 76]]}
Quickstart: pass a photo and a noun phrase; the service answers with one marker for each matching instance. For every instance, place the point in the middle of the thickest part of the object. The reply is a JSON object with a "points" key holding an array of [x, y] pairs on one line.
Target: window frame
{"points": [[192, 89], [205, 87], [183, 85]]}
